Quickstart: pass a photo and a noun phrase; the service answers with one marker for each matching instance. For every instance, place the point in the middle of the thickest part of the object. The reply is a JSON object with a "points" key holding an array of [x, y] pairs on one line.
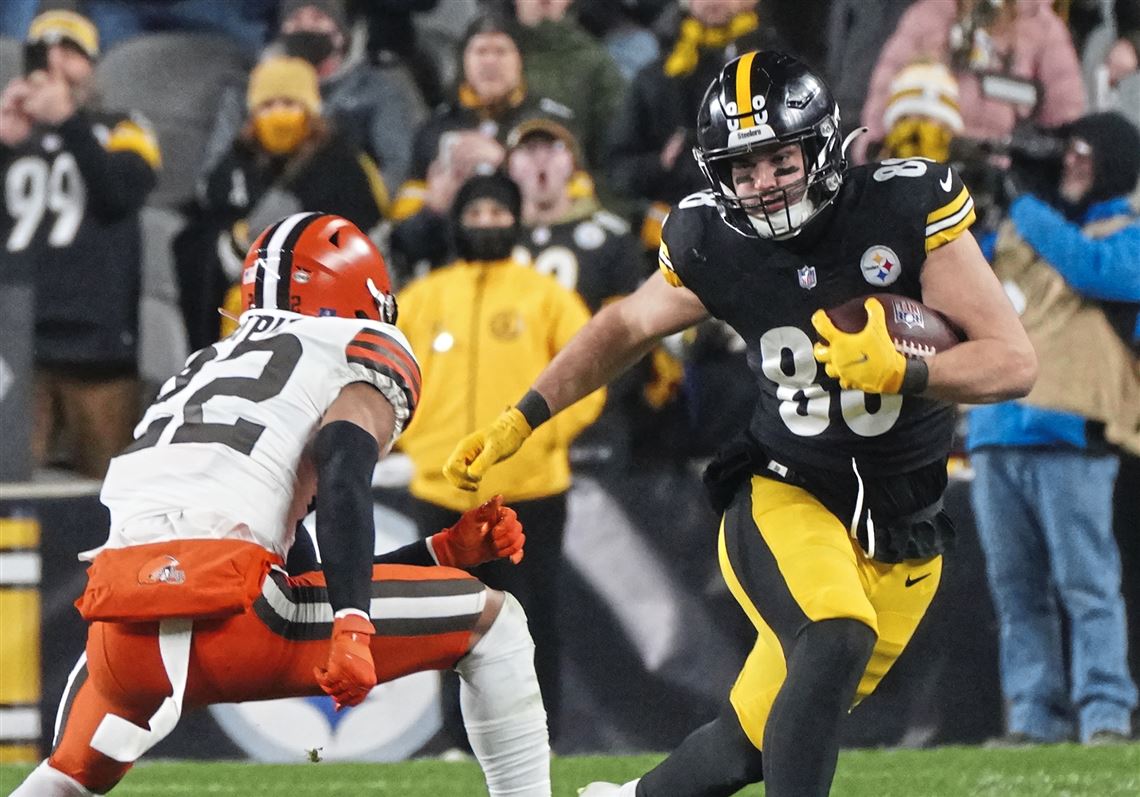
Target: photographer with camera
{"points": [[75, 177], [1072, 270]]}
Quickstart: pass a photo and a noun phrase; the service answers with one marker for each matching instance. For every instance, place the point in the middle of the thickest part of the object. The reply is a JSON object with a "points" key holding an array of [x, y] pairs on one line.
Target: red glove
{"points": [[350, 674], [487, 532]]}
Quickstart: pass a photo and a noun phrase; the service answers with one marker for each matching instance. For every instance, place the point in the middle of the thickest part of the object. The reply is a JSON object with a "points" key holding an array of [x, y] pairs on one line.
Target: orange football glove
{"points": [[350, 674], [487, 532], [865, 360]]}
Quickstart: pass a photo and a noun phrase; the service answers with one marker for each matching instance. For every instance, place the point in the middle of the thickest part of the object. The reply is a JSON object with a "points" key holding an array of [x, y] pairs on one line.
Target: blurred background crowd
{"points": [[145, 143]]}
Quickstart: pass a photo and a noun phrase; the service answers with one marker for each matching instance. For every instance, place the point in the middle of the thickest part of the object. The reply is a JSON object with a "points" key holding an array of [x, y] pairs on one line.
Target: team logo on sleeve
{"points": [[880, 265]]}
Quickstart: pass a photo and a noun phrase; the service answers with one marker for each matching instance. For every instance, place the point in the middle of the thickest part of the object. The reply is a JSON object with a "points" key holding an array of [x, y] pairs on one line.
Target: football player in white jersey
{"points": [[189, 601]]}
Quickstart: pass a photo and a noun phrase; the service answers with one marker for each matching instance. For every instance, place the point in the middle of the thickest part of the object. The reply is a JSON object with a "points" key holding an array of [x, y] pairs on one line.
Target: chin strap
{"points": [[850, 139]]}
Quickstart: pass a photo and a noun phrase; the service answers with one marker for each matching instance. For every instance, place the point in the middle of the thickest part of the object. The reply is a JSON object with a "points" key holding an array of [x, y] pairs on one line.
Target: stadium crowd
{"points": [[144, 144]]}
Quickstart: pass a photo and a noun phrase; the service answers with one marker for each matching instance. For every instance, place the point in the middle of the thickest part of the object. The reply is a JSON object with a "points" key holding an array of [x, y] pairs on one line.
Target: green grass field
{"points": [[1054, 771]]}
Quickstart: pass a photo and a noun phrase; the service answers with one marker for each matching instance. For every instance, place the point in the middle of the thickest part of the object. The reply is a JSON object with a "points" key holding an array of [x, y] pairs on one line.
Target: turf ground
{"points": [[1054, 771]]}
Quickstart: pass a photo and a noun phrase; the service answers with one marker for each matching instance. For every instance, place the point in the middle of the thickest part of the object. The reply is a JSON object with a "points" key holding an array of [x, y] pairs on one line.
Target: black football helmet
{"points": [[759, 100]]}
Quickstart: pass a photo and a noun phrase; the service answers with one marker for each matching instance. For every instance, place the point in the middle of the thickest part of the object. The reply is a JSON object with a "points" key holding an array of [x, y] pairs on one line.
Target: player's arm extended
{"points": [[617, 337], [613, 340], [997, 361]]}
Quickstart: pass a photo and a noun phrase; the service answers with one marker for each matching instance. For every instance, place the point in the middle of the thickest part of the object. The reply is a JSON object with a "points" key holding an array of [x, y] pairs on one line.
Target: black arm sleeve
{"points": [[346, 533], [117, 181], [414, 553]]}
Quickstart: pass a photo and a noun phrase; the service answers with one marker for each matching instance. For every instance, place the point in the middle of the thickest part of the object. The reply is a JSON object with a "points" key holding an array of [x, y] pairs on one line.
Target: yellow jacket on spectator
{"points": [[482, 332]]}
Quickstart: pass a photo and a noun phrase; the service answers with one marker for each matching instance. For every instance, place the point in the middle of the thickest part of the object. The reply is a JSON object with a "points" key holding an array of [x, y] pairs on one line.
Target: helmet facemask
{"points": [[782, 212], [385, 302]]}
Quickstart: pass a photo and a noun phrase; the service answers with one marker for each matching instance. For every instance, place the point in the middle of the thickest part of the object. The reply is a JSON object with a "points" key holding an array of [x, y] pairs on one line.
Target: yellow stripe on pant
{"points": [[789, 562], [19, 640]]}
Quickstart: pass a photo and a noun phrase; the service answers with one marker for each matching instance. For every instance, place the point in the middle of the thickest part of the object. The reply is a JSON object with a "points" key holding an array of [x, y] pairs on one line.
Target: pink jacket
{"points": [[1042, 51]]}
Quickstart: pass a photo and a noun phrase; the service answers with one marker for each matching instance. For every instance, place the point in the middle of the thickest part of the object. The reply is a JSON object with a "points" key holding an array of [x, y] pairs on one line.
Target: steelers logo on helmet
{"points": [[770, 106]]}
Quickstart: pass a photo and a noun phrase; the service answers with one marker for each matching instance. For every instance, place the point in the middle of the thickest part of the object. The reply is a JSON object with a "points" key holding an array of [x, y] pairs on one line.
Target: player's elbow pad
{"points": [[346, 455]]}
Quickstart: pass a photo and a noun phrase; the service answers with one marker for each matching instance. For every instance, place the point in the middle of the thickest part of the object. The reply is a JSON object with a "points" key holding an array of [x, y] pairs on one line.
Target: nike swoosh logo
{"points": [[910, 582], [946, 182]]}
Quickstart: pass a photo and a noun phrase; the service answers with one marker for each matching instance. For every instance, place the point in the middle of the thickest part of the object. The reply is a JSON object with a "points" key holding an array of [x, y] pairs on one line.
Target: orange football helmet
{"points": [[317, 264]]}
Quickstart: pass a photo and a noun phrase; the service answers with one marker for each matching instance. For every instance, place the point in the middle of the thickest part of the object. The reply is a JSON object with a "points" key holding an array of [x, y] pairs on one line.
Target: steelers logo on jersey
{"points": [[506, 325], [880, 265], [589, 235]]}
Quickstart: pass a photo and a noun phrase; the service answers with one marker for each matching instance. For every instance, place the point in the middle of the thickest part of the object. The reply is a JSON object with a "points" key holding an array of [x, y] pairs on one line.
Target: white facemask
{"points": [[783, 223]]}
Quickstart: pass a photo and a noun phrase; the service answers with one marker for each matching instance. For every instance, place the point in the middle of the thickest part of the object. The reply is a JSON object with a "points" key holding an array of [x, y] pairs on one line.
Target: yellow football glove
{"points": [[865, 360], [478, 451]]}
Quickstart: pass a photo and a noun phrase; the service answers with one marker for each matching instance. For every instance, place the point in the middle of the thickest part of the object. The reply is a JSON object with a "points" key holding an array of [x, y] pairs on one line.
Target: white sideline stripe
{"points": [[15, 491], [19, 723], [19, 568], [436, 606]]}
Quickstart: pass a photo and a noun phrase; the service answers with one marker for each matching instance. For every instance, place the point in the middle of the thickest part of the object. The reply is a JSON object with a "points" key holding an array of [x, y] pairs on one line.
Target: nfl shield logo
{"points": [[806, 276], [909, 315]]}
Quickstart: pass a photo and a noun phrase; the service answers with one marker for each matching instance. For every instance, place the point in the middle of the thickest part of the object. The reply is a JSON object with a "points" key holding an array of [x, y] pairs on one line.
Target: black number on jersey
{"points": [[241, 435]]}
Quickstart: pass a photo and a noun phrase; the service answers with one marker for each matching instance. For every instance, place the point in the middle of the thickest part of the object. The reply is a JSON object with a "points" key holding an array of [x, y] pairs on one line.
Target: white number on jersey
{"points": [[805, 405], [31, 189], [901, 167]]}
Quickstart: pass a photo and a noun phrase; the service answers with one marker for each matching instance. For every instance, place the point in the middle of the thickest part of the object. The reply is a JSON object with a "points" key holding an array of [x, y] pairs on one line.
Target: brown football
{"points": [[917, 330]]}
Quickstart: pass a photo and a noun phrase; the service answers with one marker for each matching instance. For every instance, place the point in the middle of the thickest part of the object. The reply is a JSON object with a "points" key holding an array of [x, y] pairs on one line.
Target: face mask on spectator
{"points": [[281, 130], [913, 137], [485, 243], [312, 46]]}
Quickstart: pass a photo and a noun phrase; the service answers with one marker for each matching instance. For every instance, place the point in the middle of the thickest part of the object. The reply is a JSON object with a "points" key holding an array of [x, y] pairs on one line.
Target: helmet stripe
{"points": [[259, 277], [278, 260], [744, 89]]}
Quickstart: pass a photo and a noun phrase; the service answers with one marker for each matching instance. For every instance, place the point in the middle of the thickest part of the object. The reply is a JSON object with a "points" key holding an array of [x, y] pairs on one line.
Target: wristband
{"points": [[915, 378], [534, 408]]}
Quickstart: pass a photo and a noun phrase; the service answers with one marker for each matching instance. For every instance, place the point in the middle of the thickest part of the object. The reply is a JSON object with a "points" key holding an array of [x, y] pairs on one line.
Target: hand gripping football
{"points": [[917, 330]]}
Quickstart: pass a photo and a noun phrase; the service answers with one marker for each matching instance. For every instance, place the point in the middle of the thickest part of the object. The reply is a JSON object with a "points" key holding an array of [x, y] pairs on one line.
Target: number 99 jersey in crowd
{"points": [[873, 237], [222, 447]]}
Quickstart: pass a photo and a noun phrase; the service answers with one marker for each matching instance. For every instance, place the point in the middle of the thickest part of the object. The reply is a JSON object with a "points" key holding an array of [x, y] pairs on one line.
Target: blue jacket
{"points": [[1103, 268]]}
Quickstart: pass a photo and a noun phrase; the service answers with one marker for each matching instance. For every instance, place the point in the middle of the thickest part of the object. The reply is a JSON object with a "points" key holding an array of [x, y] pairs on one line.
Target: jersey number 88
{"points": [[805, 405]]}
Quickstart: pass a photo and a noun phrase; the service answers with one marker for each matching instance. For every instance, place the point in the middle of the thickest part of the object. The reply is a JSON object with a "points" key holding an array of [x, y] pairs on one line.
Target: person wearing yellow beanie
{"points": [[288, 157], [283, 100]]}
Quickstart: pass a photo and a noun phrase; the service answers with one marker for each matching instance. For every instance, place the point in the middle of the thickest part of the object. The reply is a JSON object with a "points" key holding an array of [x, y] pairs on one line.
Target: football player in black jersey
{"points": [[833, 527]]}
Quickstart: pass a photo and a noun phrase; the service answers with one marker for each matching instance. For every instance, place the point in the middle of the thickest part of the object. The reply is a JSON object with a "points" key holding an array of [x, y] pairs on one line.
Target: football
{"points": [[917, 330]]}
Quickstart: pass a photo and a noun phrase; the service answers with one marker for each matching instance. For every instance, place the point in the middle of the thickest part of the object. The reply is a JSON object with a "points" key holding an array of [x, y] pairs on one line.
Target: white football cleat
{"points": [[603, 789]]}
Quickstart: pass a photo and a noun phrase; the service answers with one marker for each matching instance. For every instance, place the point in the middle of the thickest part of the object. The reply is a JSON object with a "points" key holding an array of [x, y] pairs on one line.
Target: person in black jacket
{"points": [[287, 158], [75, 178], [655, 127], [491, 98]]}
